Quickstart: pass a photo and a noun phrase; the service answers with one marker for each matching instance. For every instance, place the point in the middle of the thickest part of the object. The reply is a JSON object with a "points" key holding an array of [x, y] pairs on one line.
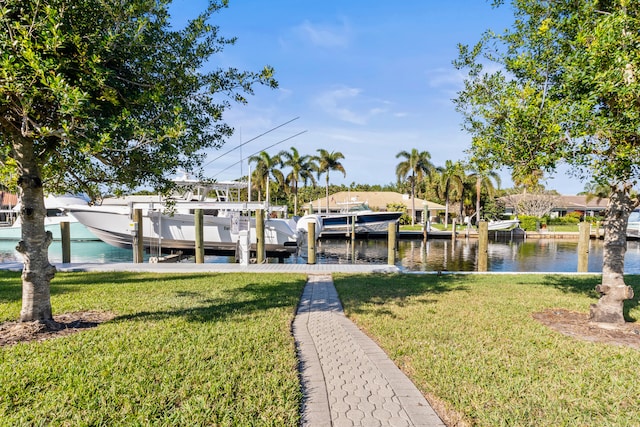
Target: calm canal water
{"points": [[544, 255]]}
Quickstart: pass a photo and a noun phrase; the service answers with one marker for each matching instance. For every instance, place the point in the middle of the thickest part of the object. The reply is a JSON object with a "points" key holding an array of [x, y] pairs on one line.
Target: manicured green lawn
{"points": [[216, 349], [205, 349], [471, 341], [564, 228]]}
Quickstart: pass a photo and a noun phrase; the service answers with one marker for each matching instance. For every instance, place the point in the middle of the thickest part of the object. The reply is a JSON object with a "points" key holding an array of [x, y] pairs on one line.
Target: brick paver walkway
{"points": [[347, 379]]}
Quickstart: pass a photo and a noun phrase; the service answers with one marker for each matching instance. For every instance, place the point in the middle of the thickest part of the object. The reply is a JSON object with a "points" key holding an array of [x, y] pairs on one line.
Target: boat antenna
{"points": [[266, 148], [252, 139]]}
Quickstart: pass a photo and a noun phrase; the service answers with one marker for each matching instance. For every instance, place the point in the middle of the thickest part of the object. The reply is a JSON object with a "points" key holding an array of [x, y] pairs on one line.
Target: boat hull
{"points": [[503, 224], [362, 223], [78, 232], [164, 233]]}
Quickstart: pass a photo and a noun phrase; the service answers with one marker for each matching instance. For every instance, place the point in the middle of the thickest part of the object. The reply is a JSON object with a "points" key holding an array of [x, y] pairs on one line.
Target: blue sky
{"points": [[366, 78]]}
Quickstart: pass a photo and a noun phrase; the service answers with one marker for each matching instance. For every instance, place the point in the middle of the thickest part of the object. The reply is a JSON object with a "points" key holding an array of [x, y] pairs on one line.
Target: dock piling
{"points": [[453, 231], [391, 256], [65, 235], [260, 254], [311, 242], [584, 229], [483, 245], [138, 241], [199, 224]]}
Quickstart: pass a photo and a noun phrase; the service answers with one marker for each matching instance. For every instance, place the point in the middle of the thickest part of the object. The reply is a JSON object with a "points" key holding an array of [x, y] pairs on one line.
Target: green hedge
{"points": [[529, 223]]}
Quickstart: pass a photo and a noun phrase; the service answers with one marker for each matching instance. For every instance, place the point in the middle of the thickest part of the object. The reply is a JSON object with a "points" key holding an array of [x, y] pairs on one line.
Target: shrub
{"points": [[570, 218], [529, 223], [400, 207], [574, 217], [405, 219], [592, 219]]}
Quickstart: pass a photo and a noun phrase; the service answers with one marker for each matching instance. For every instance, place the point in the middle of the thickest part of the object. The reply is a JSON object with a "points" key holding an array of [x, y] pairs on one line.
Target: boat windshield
{"points": [[359, 208]]}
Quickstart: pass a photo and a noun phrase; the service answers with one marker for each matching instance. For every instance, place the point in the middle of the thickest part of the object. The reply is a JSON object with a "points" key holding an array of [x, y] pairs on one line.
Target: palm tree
{"points": [[418, 165], [451, 180], [265, 167], [594, 190], [329, 161], [484, 179], [302, 168]]}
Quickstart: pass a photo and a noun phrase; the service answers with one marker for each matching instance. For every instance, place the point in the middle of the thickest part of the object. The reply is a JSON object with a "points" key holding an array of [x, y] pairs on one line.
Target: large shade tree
{"points": [[103, 96], [567, 91]]}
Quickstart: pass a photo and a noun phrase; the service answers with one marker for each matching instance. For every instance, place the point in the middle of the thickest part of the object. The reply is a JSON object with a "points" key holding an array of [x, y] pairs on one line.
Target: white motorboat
{"points": [[633, 225], [504, 224], [169, 225], [361, 219], [56, 214]]}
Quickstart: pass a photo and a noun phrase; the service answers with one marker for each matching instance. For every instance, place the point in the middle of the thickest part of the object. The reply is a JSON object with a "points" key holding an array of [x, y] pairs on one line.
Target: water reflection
{"points": [[545, 255], [81, 252]]}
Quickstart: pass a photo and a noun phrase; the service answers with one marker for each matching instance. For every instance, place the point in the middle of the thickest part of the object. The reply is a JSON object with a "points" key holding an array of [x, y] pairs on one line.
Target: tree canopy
{"points": [[108, 94], [565, 91], [104, 95]]}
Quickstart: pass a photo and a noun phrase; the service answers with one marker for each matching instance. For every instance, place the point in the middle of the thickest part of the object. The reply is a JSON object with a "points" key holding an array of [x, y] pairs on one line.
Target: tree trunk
{"points": [[613, 291], [446, 209], [413, 199], [34, 246], [327, 192], [295, 199]]}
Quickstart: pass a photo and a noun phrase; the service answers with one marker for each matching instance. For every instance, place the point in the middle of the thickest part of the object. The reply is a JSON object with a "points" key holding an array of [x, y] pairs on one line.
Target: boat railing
{"points": [[210, 205]]}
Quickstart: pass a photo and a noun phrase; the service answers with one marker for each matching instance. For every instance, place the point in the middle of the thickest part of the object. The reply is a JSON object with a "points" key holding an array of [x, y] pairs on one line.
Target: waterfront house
{"points": [[561, 205]]}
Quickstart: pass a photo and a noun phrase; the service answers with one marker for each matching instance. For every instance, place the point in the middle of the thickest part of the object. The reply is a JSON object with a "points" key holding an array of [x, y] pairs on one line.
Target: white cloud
{"points": [[349, 105], [325, 35], [333, 103], [445, 78], [284, 93]]}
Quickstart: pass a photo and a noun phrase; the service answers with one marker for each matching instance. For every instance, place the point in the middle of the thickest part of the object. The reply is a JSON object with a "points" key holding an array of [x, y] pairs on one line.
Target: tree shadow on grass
{"points": [[64, 283], [586, 285], [237, 302], [195, 305], [361, 291]]}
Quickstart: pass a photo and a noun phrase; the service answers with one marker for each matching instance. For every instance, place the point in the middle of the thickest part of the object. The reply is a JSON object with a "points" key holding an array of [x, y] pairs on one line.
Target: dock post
{"points": [[425, 222], [483, 245], [583, 247], [391, 257], [65, 235], [260, 236], [138, 241], [453, 231], [199, 224], [353, 229], [311, 242]]}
